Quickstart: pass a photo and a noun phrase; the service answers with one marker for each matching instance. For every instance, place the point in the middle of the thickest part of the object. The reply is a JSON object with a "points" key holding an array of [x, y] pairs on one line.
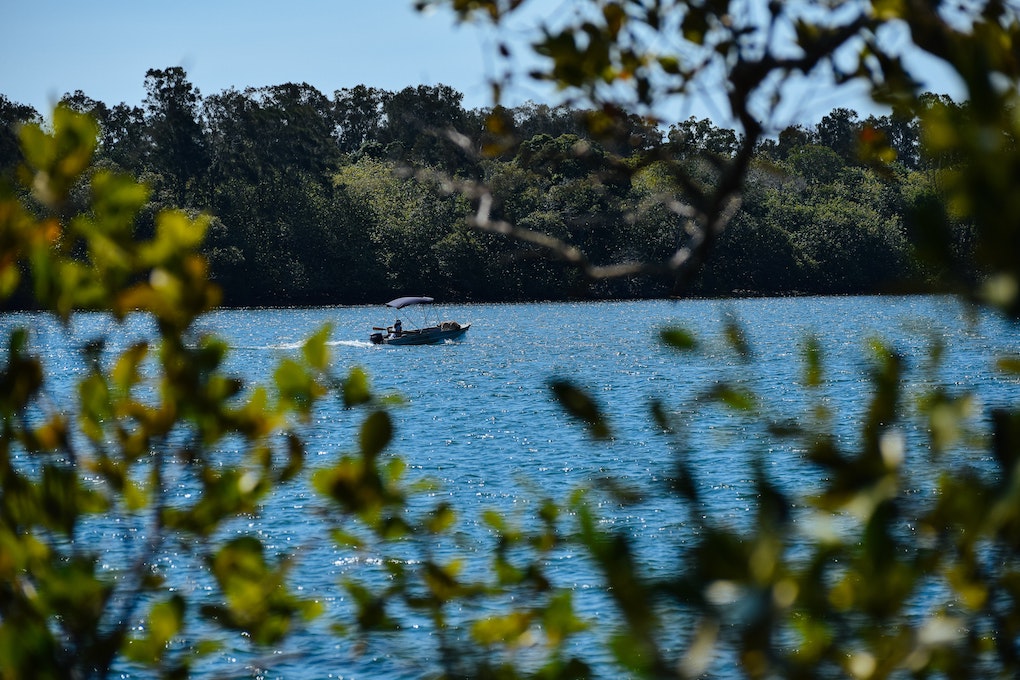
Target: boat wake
{"points": [[264, 348], [290, 346], [350, 343]]}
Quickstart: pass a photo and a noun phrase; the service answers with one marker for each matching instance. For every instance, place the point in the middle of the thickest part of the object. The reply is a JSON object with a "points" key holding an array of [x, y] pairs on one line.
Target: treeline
{"points": [[316, 200]]}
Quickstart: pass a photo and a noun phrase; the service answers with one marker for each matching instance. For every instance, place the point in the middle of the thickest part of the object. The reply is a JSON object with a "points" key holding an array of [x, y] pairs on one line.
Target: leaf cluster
{"points": [[142, 416]]}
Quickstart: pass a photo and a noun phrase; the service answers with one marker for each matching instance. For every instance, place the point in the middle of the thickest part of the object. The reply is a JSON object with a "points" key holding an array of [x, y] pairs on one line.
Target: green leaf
{"points": [[165, 621], [735, 397], [125, 373], [1010, 364], [10, 277], [736, 338], [295, 457], [315, 350], [695, 24], [580, 405], [117, 199], [294, 384], [61, 495], [494, 520], [440, 519], [812, 362], [615, 17], [356, 388], [507, 629], [345, 539], [661, 416], [678, 338], [631, 652], [559, 619], [175, 234], [59, 159], [375, 434]]}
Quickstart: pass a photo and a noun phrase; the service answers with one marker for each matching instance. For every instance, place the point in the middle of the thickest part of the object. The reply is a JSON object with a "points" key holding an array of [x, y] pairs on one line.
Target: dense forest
{"points": [[350, 199]]}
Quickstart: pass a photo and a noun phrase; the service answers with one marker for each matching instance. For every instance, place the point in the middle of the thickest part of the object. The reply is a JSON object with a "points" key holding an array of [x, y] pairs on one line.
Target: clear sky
{"points": [[104, 48]]}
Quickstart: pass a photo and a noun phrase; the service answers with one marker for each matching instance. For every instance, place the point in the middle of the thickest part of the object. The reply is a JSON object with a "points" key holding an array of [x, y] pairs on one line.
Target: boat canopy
{"points": [[402, 302]]}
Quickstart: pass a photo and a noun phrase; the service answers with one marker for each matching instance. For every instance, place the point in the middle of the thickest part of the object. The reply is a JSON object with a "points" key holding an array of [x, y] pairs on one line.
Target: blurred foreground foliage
{"points": [[865, 578]]}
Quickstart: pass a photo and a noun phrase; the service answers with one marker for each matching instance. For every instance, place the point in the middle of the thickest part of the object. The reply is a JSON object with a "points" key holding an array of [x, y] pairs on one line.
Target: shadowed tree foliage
{"points": [[359, 116], [291, 142], [12, 115], [840, 131], [420, 126], [172, 116]]}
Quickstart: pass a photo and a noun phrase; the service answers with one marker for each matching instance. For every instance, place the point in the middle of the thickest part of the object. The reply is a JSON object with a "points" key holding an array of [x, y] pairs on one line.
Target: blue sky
{"points": [[104, 47]]}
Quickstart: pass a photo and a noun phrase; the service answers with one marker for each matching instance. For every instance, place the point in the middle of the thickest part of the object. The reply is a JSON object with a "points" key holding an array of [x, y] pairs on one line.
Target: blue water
{"points": [[478, 417]]}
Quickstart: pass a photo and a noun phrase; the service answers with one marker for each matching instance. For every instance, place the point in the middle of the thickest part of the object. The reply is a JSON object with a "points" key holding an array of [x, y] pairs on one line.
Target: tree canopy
{"points": [[277, 168]]}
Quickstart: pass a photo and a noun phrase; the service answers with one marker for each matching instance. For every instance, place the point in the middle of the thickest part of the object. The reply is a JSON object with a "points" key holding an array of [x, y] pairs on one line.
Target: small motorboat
{"points": [[425, 334]]}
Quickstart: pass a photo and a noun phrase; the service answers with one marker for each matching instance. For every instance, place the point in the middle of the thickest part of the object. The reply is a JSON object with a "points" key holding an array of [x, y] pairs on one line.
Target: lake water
{"points": [[479, 418]]}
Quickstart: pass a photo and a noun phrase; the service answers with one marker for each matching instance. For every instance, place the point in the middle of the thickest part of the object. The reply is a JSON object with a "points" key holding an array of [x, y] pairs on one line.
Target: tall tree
{"points": [[839, 130], [425, 124], [359, 116], [12, 117], [790, 138], [123, 133], [234, 121], [125, 136], [694, 137], [299, 129], [533, 119], [172, 108], [901, 134]]}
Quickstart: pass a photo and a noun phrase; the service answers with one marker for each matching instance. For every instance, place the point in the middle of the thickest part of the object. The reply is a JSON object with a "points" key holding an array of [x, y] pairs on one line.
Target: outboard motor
{"points": [[376, 338]]}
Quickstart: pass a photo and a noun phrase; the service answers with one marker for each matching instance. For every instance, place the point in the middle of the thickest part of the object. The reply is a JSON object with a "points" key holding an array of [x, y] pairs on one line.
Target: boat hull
{"points": [[424, 336]]}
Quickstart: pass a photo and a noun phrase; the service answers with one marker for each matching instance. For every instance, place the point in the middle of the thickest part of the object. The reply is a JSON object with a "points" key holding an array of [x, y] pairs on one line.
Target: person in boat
{"points": [[398, 329]]}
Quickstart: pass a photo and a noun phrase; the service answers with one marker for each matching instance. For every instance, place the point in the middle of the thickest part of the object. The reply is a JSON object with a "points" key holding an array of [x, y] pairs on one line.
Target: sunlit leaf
{"points": [[175, 233], [315, 350], [125, 373], [494, 520], [294, 384], [61, 157], [165, 620], [507, 629]]}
